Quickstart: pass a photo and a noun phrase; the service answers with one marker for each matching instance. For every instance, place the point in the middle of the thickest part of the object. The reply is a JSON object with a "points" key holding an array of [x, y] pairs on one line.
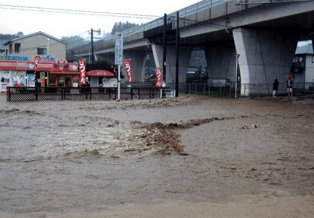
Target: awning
{"points": [[99, 73], [64, 73]]}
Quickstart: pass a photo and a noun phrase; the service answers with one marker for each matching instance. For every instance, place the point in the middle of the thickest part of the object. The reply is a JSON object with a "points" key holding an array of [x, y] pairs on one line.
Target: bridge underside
{"points": [[263, 37]]}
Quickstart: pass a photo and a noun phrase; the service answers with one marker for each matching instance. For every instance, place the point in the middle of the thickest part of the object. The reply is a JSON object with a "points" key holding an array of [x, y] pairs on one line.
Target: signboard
{"points": [[26, 59], [158, 77], [61, 63], [127, 65], [118, 49], [82, 64], [5, 80]]}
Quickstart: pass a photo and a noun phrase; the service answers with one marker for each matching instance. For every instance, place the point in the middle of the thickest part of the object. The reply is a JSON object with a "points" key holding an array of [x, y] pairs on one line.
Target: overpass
{"points": [[260, 38]]}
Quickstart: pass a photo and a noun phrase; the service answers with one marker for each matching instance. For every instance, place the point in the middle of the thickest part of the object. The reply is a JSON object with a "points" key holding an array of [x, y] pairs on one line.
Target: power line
{"points": [[78, 12]]}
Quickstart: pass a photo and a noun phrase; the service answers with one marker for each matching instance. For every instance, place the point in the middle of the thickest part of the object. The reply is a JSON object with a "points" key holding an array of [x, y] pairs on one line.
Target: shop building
{"points": [[37, 60], [48, 72]]}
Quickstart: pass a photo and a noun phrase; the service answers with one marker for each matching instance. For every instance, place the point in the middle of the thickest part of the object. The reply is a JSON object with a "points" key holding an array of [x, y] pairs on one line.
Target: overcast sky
{"points": [[58, 25]]}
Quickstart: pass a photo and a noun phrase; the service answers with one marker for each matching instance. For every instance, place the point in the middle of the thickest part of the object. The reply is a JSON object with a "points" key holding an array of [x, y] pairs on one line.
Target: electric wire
{"points": [[78, 12]]}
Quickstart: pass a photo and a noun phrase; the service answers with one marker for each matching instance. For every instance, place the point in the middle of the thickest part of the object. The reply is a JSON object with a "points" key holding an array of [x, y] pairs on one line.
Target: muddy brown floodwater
{"points": [[190, 156]]}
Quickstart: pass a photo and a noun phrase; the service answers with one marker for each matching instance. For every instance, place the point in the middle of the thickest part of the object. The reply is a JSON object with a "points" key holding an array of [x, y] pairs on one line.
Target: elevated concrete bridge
{"points": [[263, 36]]}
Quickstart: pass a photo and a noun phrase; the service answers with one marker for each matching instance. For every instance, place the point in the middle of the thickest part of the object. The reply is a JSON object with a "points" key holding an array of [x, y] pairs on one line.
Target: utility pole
{"points": [[92, 43], [177, 55], [164, 58]]}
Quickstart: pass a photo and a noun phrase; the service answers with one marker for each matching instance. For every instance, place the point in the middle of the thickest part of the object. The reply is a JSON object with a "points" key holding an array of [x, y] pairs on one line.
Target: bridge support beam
{"points": [[138, 61], [221, 62], [264, 56], [184, 59]]}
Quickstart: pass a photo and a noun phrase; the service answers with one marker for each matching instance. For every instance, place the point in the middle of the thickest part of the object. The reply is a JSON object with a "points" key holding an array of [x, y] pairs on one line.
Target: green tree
{"points": [[200, 76], [119, 26], [73, 41]]}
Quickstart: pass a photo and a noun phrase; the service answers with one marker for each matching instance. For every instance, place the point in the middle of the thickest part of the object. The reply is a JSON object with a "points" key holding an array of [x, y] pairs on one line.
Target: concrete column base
{"points": [[184, 59], [264, 56], [138, 61], [221, 62]]}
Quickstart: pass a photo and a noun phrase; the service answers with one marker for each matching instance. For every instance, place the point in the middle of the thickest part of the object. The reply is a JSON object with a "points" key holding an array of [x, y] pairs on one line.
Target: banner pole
{"points": [[118, 81]]}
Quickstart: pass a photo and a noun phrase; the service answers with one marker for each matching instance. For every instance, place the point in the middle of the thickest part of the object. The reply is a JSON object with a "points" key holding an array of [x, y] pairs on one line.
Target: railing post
{"points": [[9, 93], [36, 93], [131, 93], [62, 93]]}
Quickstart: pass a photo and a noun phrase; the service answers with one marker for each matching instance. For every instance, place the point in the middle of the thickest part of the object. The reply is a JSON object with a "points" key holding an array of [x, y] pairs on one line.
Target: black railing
{"points": [[79, 93]]}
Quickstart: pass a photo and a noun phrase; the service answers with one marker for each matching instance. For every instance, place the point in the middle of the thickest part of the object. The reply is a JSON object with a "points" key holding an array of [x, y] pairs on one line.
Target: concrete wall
{"points": [[184, 60], [264, 55], [309, 69], [221, 62], [138, 61]]}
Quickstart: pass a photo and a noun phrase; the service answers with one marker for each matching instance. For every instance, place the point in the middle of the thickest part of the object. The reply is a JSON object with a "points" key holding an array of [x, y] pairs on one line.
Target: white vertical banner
{"points": [[119, 49], [119, 56]]}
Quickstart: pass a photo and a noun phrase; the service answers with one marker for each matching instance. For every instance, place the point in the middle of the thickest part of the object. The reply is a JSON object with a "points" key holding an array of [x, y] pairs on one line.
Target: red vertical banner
{"points": [[158, 76], [82, 65], [37, 59], [127, 65]]}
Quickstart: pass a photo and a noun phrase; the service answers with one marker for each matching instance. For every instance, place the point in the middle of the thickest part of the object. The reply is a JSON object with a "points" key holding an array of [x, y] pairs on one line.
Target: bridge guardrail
{"points": [[203, 5]]}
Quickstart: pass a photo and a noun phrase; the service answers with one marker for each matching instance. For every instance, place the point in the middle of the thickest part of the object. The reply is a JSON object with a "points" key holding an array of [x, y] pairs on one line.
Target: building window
{"points": [[17, 47], [313, 59], [41, 51]]}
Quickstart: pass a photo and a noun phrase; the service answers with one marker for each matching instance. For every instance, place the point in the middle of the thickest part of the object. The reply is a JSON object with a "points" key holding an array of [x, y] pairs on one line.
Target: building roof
{"points": [[34, 34], [305, 49]]}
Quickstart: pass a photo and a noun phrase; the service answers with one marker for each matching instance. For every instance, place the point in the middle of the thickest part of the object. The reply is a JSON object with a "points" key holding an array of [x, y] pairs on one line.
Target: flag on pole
{"points": [[158, 77], [127, 65], [37, 59], [82, 65]]}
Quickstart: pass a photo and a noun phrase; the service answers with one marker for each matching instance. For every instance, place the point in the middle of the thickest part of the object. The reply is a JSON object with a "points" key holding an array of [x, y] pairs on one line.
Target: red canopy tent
{"points": [[100, 73]]}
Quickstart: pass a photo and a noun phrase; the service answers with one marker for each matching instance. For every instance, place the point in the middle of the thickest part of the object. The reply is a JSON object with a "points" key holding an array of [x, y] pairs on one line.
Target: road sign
{"points": [[119, 49]]}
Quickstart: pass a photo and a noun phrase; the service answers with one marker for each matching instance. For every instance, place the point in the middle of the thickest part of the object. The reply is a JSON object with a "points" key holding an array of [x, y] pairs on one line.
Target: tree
{"points": [[119, 26], [73, 41], [8, 37], [200, 76]]}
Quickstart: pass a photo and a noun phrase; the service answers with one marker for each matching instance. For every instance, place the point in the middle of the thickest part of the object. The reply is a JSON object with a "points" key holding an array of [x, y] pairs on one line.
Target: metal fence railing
{"points": [[244, 89], [79, 93]]}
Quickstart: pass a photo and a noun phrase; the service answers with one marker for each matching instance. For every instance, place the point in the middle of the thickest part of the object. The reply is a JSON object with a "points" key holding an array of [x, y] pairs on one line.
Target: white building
{"points": [[303, 65]]}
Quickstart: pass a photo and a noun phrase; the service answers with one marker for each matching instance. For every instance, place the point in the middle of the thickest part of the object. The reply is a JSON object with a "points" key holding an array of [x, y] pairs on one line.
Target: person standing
{"points": [[289, 87], [275, 87]]}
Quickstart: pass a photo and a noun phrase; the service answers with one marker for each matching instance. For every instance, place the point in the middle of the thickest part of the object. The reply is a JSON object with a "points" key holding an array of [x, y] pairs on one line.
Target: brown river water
{"points": [[191, 156]]}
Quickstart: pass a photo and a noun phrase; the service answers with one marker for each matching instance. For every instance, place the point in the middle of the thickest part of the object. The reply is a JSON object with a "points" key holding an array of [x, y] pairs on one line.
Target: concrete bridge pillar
{"points": [[108, 57], [264, 56], [138, 61], [221, 62], [184, 59]]}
